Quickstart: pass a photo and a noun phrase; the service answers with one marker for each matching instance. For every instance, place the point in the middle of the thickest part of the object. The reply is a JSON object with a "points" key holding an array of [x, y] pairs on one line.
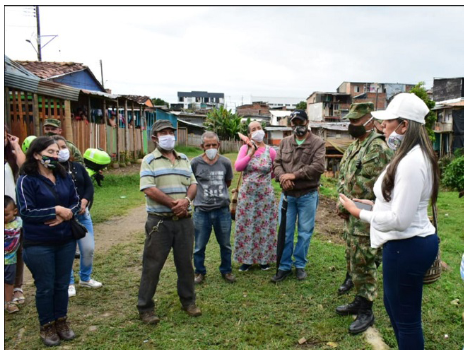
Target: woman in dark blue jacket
{"points": [[47, 200]]}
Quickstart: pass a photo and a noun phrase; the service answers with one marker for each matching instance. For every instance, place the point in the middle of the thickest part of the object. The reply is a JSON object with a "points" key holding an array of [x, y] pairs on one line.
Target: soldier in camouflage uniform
{"points": [[360, 167], [53, 127]]}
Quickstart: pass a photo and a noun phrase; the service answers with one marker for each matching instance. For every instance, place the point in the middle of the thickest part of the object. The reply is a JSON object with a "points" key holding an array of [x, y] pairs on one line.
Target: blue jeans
{"points": [[405, 262], [86, 246], [304, 209], [220, 220], [50, 266]]}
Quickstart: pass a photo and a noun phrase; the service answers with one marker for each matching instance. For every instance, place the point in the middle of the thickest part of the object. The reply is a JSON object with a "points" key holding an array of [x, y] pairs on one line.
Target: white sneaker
{"points": [[71, 291], [91, 284]]}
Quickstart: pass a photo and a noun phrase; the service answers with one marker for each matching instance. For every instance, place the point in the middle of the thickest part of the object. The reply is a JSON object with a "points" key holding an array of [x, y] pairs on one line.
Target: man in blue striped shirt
{"points": [[169, 185]]}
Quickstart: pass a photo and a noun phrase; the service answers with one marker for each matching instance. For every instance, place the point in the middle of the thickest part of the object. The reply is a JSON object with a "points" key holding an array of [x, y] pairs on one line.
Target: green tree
{"points": [[430, 119], [159, 102], [223, 122], [301, 105]]}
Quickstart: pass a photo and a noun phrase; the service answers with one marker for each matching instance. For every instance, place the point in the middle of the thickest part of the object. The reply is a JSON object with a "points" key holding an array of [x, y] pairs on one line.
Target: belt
{"points": [[170, 216]]}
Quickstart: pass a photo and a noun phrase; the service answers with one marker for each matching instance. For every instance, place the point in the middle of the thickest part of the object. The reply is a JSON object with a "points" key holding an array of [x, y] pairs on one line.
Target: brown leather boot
{"points": [[63, 329], [49, 335]]}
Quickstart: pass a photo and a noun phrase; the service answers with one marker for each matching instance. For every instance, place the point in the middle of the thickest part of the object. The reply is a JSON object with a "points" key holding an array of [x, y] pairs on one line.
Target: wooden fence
{"points": [[225, 145], [91, 135], [22, 108]]}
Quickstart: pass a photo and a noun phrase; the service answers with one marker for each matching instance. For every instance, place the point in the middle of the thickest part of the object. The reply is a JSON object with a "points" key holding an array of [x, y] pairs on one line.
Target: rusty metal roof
{"points": [[18, 77], [48, 70]]}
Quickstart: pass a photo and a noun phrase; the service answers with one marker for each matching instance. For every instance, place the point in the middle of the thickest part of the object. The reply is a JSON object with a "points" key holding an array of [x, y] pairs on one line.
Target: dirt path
{"points": [[111, 232]]}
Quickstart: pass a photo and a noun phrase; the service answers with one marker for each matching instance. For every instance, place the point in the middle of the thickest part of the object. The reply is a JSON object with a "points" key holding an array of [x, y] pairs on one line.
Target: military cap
{"points": [[358, 110], [52, 122], [159, 125]]}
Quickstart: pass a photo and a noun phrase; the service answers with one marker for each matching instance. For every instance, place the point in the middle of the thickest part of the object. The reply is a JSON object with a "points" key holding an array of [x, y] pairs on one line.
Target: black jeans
{"points": [[405, 262], [162, 235]]}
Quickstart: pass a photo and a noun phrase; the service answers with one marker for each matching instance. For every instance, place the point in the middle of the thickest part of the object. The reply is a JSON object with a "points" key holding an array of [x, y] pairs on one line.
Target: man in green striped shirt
{"points": [[169, 185]]}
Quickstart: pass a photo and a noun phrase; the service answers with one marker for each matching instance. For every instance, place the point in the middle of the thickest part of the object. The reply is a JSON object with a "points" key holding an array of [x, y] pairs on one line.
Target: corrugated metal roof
{"points": [[101, 94], [190, 123], [19, 78]]}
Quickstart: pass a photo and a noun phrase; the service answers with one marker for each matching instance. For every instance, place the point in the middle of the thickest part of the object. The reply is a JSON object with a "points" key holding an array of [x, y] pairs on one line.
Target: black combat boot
{"points": [[346, 285], [350, 309], [365, 317]]}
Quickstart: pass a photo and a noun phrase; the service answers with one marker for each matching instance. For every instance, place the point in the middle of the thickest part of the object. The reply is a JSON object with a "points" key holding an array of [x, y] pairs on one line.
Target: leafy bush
{"points": [[453, 176]]}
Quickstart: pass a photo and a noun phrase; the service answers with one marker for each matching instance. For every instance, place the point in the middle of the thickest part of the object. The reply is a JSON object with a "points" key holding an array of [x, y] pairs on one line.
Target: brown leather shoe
{"points": [[229, 277], [199, 278], [192, 310], [149, 317], [49, 334], [63, 329]]}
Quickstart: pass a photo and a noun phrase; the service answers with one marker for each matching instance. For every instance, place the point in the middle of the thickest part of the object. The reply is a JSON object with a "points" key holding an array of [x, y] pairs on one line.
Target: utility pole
{"points": [[102, 77], [39, 55]]}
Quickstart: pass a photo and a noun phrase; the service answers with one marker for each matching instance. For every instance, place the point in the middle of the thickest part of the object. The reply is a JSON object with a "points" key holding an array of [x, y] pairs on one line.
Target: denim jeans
{"points": [[220, 220], [302, 209], [405, 263], [86, 246], [50, 266]]}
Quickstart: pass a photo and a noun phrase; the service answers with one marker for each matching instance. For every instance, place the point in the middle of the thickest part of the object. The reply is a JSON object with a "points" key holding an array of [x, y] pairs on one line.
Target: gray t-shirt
{"points": [[212, 192]]}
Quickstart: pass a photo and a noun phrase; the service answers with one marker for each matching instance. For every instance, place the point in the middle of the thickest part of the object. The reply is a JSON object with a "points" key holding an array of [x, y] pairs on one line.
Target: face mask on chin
{"points": [[50, 134], [167, 142]]}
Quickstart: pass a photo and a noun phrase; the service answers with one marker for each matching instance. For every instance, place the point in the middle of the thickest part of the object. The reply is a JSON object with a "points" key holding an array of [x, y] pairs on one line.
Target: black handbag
{"points": [[78, 229]]}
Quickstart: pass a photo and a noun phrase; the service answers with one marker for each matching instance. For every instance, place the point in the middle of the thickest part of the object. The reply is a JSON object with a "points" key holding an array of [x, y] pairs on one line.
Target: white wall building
{"points": [[273, 102]]}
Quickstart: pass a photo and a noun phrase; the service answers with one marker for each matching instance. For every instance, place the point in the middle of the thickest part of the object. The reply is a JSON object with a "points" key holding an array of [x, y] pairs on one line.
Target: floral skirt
{"points": [[256, 224]]}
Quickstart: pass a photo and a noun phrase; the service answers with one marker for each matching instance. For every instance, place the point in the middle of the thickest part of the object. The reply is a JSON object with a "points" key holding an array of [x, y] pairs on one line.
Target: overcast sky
{"points": [[245, 51]]}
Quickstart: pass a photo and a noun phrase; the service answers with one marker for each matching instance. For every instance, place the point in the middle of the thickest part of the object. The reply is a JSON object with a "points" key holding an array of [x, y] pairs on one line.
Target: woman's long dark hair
{"points": [[30, 166], [416, 134], [10, 156]]}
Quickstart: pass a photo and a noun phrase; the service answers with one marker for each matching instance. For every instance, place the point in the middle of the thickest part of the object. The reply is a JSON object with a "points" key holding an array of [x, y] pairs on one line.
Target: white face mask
{"points": [[211, 153], [395, 140], [64, 155], [258, 135], [167, 142]]}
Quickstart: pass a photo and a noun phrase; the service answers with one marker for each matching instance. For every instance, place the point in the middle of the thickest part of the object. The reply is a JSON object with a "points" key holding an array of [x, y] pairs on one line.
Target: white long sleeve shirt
{"points": [[405, 216]]}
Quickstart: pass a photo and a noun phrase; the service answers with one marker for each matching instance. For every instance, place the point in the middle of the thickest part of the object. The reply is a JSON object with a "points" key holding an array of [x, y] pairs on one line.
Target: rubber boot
{"points": [[365, 317], [350, 309], [346, 285]]}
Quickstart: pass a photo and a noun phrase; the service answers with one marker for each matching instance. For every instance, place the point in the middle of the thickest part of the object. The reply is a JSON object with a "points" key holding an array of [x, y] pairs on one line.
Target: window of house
{"points": [[448, 116], [356, 88], [181, 99]]}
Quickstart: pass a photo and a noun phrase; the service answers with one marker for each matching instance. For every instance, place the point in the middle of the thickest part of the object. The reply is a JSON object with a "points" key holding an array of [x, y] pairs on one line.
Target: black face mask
{"points": [[358, 130], [300, 130]]}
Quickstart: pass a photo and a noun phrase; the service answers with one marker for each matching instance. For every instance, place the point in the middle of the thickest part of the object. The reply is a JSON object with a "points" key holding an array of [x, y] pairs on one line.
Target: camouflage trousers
{"points": [[361, 265]]}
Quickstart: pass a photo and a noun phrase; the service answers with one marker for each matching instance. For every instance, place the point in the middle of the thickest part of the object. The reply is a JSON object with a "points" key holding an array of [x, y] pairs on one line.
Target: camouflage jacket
{"points": [[359, 170], [75, 154]]}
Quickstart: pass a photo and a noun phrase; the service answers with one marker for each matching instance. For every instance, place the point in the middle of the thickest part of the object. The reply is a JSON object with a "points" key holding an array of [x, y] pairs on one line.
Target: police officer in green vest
{"points": [[360, 167], [53, 127]]}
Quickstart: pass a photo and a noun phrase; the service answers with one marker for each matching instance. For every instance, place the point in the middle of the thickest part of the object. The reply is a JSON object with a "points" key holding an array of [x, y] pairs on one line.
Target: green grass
{"points": [[116, 196], [249, 314]]}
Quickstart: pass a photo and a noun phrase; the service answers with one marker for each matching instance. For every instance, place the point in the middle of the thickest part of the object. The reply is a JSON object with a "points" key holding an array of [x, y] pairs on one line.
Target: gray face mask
{"points": [[300, 130], [211, 153]]}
